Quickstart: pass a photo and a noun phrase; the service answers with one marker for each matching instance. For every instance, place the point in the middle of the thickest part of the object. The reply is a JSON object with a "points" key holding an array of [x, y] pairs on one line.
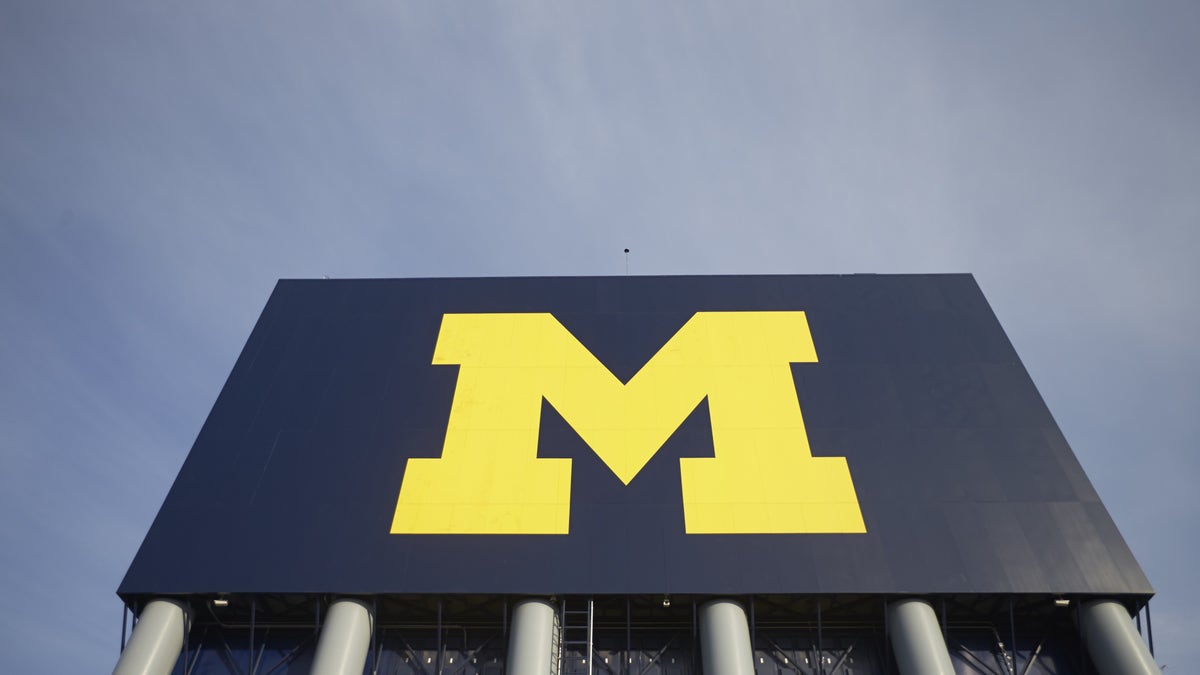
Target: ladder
{"points": [[575, 646]]}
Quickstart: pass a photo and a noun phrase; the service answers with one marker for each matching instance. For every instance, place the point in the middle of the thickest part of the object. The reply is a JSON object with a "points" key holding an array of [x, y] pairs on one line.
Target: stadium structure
{"points": [[739, 475]]}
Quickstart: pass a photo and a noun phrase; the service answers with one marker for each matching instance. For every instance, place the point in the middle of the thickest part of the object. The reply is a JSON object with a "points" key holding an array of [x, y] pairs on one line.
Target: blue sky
{"points": [[162, 164]]}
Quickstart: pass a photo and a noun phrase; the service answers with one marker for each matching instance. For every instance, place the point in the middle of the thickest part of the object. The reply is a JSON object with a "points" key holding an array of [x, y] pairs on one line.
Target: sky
{"points": [[162, 164]]}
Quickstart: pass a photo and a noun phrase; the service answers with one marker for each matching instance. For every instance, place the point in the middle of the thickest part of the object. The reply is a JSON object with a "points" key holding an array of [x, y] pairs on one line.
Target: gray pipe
{"points": [[1115, 646], [157, 639], [531, 640], [725, 639], [917, 639], [345, 639]]}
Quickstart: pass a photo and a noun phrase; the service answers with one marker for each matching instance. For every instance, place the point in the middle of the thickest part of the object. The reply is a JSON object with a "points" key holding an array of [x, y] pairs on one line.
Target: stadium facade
{"points": [[785, 475]]}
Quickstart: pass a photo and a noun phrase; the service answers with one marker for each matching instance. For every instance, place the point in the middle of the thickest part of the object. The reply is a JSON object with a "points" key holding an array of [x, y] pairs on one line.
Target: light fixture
{"points": [[666, 601], [220, 602], [1062, 602]]}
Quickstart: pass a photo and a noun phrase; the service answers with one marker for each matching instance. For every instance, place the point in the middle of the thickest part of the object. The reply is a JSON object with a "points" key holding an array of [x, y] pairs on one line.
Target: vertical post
{"points": [[628, 637], [1012, 627], [753, 625], [1149, 628], [440, 646], [887, 635], [253, 613], [374, 641], [1083, 663], [945, 624], [917, 639], [820, 642], [725, 639], [157, 639], [125, 619], [696, 632], [345, 639], [1115, 647], [531, 640], [187, 653]]}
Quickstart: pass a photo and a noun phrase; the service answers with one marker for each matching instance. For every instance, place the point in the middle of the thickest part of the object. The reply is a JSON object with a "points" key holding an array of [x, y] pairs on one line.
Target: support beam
{"points": [[917, 639], [345, 639], [531, 640], [1114, 645], [157, 639], [725, 639]]}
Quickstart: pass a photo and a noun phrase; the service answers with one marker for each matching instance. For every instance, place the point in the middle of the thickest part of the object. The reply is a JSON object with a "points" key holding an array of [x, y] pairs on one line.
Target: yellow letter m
{"points": [[762, 478]]}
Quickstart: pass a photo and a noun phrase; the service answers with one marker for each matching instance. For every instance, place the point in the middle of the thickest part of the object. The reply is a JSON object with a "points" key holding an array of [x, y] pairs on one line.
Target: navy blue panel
{"points": [[965, 482]]}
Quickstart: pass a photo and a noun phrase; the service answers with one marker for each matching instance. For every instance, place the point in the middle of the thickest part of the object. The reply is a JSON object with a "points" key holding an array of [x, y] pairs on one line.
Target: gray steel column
{"points": [[157, 639], [917, 639], [1115, 646], [345, 639], [725, 639], [531, 640]]}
